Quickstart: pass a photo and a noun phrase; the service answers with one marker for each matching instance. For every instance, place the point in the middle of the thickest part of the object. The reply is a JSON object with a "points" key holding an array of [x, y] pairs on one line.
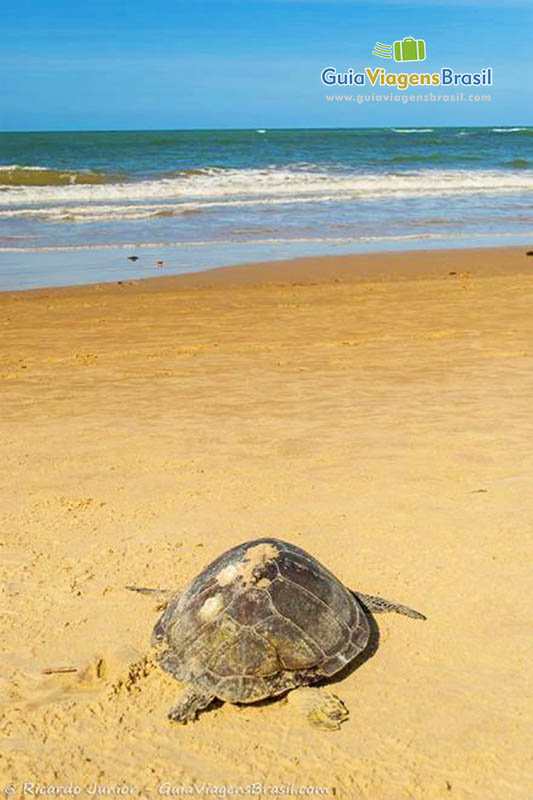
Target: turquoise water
{"points": [[198, 199]]}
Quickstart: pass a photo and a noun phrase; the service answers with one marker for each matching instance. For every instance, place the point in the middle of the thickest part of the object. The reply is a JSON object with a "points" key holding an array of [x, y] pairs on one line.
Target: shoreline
{"points": [[351, 267]]}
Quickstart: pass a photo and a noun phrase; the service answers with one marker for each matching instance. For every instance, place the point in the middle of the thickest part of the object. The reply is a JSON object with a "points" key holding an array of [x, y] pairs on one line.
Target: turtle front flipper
{"points": [[379, 605], [163, 593], [189, 705], [162, 596]]}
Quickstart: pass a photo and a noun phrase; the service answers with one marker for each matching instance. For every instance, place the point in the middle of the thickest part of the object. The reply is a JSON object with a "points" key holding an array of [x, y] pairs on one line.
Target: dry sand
{"points": [[375, 410]]}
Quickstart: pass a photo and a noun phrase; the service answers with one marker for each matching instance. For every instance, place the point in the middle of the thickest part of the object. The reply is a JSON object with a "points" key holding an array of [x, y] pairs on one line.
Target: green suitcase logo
{"points": [[410, 49]]}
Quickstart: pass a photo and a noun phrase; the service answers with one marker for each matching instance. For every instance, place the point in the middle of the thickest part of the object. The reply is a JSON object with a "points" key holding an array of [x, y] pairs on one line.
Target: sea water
{"points": [[75, 205]]}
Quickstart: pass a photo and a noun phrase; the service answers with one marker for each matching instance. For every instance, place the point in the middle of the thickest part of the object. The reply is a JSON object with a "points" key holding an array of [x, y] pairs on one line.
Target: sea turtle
{"points": [[263, 618]]}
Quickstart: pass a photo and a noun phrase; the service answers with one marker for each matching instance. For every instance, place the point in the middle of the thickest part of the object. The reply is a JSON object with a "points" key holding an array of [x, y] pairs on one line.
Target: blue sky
{"points": [[250, 63]]}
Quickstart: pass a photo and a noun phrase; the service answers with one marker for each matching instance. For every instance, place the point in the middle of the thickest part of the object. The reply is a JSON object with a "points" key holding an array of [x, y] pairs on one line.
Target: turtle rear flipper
{"points": [[378, 605], [321, 708]]}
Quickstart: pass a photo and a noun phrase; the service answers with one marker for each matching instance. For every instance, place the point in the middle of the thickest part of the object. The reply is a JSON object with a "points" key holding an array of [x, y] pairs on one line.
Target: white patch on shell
{"points": [[211, 607], [245, 569], [228, 574]]}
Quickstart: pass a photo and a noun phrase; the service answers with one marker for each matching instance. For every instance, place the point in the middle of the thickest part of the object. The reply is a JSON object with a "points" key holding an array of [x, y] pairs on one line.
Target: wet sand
{"points": [[375, 410]]}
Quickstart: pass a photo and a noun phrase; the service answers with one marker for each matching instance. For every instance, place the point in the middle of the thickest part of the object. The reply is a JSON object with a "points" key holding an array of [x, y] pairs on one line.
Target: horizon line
{"points": [[267, 129]]}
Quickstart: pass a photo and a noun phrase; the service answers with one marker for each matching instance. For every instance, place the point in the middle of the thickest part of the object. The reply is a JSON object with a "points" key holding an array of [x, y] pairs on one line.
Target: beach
{"points": [[75, 206], [372, 409]]}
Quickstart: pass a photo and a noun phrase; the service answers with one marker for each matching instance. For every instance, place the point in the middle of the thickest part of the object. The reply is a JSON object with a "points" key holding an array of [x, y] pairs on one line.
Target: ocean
{"points": [[75, 206]]}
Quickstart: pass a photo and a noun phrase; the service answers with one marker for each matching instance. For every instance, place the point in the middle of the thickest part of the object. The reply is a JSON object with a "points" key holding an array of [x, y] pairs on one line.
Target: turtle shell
{"points": [[262, 618]]}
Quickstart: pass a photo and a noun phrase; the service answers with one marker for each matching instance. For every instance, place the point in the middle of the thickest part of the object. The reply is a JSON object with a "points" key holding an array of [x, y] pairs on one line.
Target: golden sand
{"points": [[375, 410]]}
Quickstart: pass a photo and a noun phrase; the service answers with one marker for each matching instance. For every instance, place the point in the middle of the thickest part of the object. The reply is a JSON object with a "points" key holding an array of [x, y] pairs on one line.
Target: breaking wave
{"points": [[273, 240], [510, 130], [203, 190]]}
